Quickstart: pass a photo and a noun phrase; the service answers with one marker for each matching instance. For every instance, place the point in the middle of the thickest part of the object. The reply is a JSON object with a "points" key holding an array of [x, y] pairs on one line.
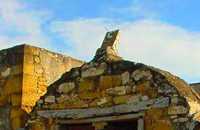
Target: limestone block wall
{"points": [[110, 86], [40, 69], [117, 88], [25, 73], [11, 71]]}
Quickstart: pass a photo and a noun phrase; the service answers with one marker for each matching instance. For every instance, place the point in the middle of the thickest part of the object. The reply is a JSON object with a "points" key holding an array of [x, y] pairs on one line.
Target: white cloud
{"points": [[84, 35], [152, 42], [21, 24]]}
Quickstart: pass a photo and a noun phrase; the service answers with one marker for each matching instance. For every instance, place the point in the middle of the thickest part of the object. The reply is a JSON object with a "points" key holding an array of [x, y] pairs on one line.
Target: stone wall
{"points": [[25, 73], [40, 69], [111, 86], [11, 71]]}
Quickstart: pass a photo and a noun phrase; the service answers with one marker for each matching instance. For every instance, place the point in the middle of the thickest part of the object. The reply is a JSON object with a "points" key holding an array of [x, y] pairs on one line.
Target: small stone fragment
{"points": [[145, 98], [125, 78], [66, 87], [174, 100], [6, 73], [134, 99], [175, 110], [50, 99], [181, 119], [121, 99], [102, 101], [94, 71], [141, 74], [120, 90]]}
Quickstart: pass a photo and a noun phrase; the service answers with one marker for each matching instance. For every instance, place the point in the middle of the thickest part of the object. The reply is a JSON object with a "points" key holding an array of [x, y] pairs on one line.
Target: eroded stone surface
{"points": [[109, 85], [66, 87]]}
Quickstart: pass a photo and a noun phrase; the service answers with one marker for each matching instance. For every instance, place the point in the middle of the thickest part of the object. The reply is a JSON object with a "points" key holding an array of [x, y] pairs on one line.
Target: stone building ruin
{"points": [[107, 93]]}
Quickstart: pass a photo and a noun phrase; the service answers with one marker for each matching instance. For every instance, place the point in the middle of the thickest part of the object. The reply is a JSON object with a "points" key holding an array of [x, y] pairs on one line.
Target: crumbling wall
{"points": [[25, 73], [4, 118], [11, 64], [109, 86], [40, 69], [118, 88]]}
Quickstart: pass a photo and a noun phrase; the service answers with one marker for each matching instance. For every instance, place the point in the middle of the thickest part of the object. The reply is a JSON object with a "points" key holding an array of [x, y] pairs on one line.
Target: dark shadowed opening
{"points": [[114, 125], [76, 127], [122, 125]]}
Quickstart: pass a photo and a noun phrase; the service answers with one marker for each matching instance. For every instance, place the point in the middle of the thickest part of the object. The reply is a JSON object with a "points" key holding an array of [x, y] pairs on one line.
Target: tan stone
{"points": [[121, 99], [128, 99], [16, 99], [89, 95], [125, 78], [181, 119], [175, 110], [139, 74], [145, 88], [86, 85], [116, 80], [94, 71], [13, 85], [174, 100], [29, 69], [75, 102], [50, 99], [17, 118], [119, 90], [6, 72], [66, 87], [103, 101], [105, 82], [134, 99]]}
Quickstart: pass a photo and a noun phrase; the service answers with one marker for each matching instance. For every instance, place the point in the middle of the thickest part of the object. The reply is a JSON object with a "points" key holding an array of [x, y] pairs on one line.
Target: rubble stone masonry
{"points": [[109, 86], [25, 73]]}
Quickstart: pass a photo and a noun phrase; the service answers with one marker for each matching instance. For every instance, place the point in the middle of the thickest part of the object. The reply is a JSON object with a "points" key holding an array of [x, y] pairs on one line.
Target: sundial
{"points": [[111, 39], [108, 50]]}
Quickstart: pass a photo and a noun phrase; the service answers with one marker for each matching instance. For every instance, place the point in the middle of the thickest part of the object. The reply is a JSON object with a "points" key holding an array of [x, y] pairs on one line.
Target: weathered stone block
{"points": [[94, 71], [125, 78], [6, 72], [13, 85], [116, 80], [105, 82], [141, 74], [134, 99], [50, 99], [86, 85], [89, 95], [181, 119], [175, 110], [121, 99], [16, 99], [77, 103], [145, 88], [101, 102], [66, 87], [119, 90]]}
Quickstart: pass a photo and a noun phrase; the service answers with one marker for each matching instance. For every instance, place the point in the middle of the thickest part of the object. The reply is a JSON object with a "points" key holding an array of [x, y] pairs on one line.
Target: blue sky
{"points": [[183, 13], [165, 34]]}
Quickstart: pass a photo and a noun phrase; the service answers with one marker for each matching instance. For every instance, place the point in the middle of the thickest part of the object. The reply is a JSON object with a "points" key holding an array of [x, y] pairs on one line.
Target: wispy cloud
{"points": [[21, 24], [144, 38], [152, 42]]}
